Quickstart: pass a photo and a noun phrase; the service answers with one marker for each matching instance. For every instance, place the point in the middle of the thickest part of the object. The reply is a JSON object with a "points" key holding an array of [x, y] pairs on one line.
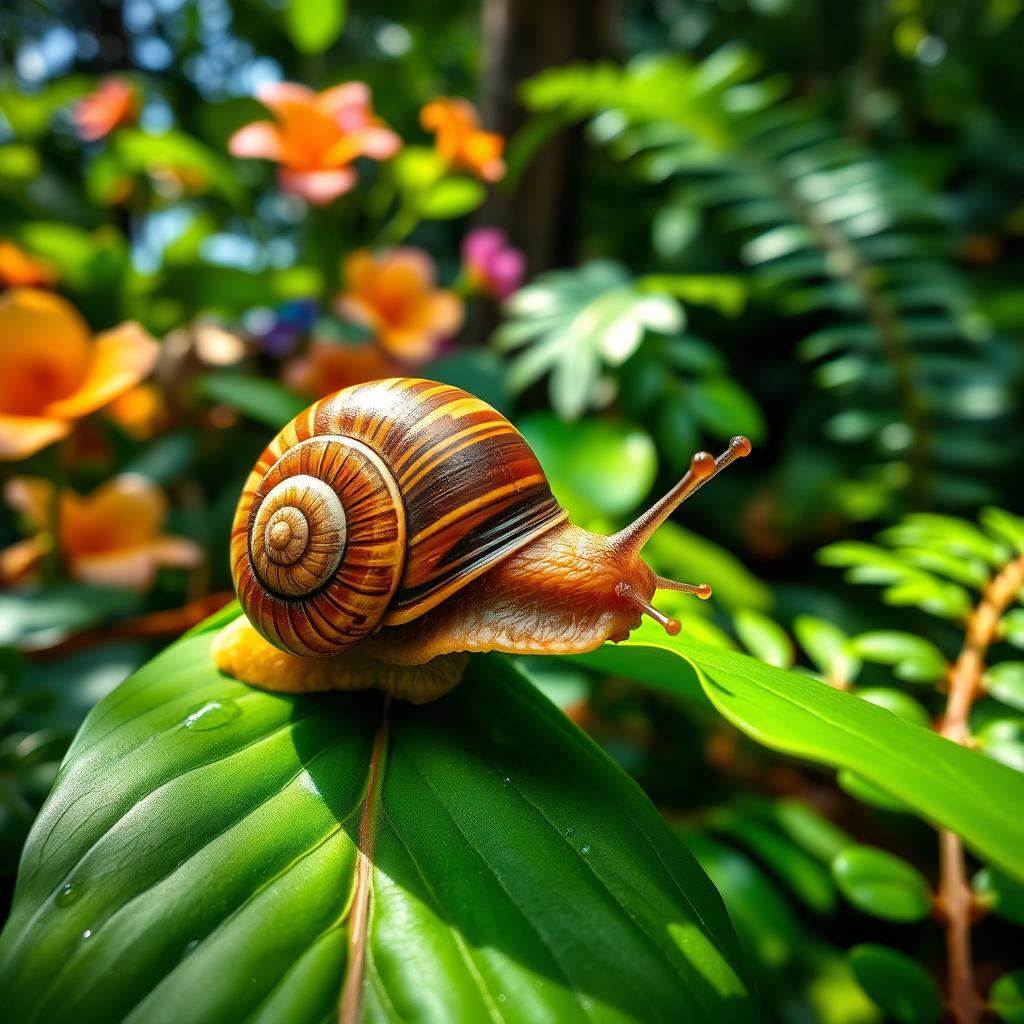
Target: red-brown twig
{"points": [[955, 901]]}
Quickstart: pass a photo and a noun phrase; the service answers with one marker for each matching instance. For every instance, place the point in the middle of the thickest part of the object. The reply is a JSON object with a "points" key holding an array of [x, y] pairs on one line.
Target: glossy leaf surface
{"points": [[947, 784], [201, 856]]}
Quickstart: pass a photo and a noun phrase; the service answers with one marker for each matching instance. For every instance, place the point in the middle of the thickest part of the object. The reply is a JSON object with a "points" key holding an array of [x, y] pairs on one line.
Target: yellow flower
{"points": [[460, 142], [394, 294], [110, 538], [114, 103], [138, 411], [18, 269], [54, 371], [316, 136]]}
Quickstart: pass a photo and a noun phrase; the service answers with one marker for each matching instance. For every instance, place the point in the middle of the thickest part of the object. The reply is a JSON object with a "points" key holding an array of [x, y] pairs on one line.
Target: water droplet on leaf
{"points": [[87, 933], [68, 893], [213, 714], [585, 849]]}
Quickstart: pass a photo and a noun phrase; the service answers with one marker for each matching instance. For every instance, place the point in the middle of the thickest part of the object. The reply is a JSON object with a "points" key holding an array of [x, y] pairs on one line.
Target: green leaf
{"points": [[1011, 627], [828, 647], [898, 984], [882, 884], [764, 638], [314, 24], [867, 793], [200, 851], [898, 702], [597, 468], [726, 409], [36, 618], [261, 399], [1001, 894], [948, 785], [140, 152], [913, 658], [1006, 997], [1005, 682], [1005, 527], [450, 198]]}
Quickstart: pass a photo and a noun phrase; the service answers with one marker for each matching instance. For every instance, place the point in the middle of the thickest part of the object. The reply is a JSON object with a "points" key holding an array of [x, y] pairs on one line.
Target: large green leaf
{"points": [[200, 857], [945, 783]]}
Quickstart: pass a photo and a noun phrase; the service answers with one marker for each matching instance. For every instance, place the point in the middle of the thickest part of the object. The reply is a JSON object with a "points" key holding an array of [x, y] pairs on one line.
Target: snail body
{"points": [[403, 520]]}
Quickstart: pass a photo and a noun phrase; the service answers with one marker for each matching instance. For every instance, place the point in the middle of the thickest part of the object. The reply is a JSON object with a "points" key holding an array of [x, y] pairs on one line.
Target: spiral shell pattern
{"points": [[375, 505], [318, 552]]}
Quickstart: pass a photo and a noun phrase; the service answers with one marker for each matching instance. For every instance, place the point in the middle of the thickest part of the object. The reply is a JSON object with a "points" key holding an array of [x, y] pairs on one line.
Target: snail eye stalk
{"points": [[627, 593], [703, 466]]}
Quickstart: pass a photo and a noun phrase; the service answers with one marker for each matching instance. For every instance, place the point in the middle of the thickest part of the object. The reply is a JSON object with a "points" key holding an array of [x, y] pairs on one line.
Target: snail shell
{"points": [[375, 505]]}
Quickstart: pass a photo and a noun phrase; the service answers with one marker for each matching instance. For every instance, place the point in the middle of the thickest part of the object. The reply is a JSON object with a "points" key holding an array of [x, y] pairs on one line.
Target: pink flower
{"points": [[113, 103], [492, 265], [315, 137]]}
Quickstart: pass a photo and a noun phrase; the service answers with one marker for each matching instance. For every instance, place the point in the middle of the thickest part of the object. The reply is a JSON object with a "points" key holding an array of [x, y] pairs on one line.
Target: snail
{"points": [[396, 526]]}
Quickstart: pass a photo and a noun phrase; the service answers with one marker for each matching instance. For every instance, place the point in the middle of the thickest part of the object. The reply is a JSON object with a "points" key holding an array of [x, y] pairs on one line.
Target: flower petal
{"points": [[122, 357], [318, 187], [274, 94], [123, 513], [31, 497], [259, 140], [341, 97], [22, 436], [374, 142], [18, 560], [176, 552], [133, 569]]}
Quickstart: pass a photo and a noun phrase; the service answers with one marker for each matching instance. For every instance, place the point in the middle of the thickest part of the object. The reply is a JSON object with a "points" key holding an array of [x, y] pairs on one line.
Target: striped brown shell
{"points": [[377, 503]]}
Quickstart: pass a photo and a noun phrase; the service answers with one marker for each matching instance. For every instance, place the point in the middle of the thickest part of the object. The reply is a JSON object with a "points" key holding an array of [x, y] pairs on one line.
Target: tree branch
{"points": [[955, 900]]}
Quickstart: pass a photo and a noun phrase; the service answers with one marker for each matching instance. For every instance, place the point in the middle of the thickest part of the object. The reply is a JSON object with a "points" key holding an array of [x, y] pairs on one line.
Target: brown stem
{"points": [[955, 900]]}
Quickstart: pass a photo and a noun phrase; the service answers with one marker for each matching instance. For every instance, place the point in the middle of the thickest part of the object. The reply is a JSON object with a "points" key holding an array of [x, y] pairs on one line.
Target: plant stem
{"points": [[955, 899]]}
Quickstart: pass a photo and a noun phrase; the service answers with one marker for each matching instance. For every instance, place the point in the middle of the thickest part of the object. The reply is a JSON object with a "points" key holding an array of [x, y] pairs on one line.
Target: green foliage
{"points": [[898, 984], [511, 858], [828, 231]]}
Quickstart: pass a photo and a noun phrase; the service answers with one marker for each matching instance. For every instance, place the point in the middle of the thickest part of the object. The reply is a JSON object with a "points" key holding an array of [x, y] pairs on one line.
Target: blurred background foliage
{"points": [[793, 219]]}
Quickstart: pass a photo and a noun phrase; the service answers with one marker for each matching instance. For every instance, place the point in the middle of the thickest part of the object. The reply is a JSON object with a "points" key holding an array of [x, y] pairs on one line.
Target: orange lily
{"points": [[18, 269], [327, 367], [53, 370], [394, 293], [114, 103], [460, 142], [316, 136], [111, 538]]}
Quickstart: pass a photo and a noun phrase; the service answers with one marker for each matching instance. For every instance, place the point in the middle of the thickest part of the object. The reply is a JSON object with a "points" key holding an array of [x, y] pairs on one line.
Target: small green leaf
{"points": [[913, 658], [1011, 627], [1005, 682], [1004, 527], [828, 647], [450, 198], [597, 468], [417, 168], [1000, 893], [764, 638], [726, 409], [882, 884], [263, 400], [898, 702], [808, 829], [1003, 740], [314, 24], [898, 984], [866, 792], [1006, 997]]}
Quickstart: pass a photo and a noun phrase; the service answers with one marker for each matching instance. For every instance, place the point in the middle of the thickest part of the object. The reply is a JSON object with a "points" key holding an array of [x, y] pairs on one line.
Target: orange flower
{"points": [[460, 142], [316, 137], [110, 538], [111, 105], [53, 371], [138, 411], [327, 367], [18, 269], [393, 293]]}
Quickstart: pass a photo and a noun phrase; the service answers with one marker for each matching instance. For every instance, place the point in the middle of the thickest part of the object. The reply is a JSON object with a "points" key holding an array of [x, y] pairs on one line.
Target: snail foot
{"points": [[241, 652]]}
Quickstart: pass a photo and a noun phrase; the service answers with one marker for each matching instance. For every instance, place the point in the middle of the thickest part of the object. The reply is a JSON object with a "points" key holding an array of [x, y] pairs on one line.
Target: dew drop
{"points": [[189, 949], [569, 831], [213, 714], [585, 849], [87, 934], [68, 893], [501, 997], [506, 781]]}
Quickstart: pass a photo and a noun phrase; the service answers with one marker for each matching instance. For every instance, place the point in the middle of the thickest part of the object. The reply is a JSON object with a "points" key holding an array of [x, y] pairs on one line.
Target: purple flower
{"points": [[493, 266]]}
